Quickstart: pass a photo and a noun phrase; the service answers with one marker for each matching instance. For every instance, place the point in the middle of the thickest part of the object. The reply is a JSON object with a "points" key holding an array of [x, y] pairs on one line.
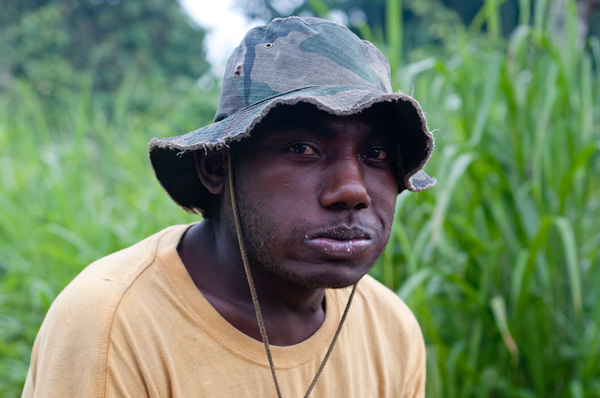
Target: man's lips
{"points": [[342, 233], [341, 243]]}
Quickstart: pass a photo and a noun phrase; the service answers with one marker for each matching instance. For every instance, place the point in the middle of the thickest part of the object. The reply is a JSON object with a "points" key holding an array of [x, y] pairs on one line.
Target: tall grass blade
{"points": [[567, 236], [319, 7], [393, 15], [489, 93], [498, 306]]}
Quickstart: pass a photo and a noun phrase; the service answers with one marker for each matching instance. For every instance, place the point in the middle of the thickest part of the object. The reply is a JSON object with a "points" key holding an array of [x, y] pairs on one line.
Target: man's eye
{"points": [[376, 154], [302, 149]]}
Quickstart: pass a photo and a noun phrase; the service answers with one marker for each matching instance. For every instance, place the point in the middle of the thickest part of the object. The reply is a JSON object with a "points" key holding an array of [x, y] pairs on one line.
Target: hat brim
{"points": [[173, 161]]}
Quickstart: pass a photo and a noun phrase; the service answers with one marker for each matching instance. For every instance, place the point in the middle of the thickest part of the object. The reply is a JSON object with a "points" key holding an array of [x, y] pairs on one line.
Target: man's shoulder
{"points": [[383, 332], [76, 332], [98, 287], [120, 269], [374, 291], [381, 305]]}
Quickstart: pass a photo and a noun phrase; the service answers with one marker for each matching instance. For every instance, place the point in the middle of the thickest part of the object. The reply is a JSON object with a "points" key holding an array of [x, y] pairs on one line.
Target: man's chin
{"points": [[316, 275], [337, 281]]}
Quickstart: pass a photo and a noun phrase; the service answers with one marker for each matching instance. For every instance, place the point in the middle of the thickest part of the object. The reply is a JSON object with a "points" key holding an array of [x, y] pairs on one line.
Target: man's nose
{"points": [[344, 186]]}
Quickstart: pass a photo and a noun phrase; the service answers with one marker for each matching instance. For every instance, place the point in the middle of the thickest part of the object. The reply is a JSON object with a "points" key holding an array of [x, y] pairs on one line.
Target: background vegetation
{"points": [[500, 262]]}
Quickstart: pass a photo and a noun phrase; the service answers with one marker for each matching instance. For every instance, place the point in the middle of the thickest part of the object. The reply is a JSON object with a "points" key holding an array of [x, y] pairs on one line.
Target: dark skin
{"points": [[316, 197]]}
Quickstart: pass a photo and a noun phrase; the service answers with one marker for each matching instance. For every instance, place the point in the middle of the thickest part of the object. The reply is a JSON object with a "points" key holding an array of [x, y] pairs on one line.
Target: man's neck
{"points": [[213, 260]]}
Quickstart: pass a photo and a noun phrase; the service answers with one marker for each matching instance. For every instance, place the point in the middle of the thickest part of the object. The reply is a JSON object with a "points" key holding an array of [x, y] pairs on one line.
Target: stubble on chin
{"points": [[260, 239]]}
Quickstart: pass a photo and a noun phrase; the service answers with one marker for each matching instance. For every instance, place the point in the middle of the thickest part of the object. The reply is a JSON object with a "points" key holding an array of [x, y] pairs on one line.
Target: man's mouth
{"points": [[341, 243]]}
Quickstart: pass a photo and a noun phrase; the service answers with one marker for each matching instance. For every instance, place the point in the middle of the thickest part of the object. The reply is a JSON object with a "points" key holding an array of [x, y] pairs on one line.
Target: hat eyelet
{"points": [[238, 71], [268, 45]]}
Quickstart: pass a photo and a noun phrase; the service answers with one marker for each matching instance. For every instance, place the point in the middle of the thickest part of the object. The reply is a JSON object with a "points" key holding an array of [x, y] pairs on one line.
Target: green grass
{"points": [[499, 262], [76, 185]]}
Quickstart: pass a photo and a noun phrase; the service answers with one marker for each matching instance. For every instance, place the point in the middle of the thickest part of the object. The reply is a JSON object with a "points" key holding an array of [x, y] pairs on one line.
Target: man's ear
{"points": [[211, 167]]}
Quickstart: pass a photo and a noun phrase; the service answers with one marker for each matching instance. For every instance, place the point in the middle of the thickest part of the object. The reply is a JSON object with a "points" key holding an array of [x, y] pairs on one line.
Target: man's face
{"points": [[316, 195]]}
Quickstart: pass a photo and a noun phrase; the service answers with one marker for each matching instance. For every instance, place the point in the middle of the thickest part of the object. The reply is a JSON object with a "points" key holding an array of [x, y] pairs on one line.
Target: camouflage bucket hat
{"points": [[290, 61]]}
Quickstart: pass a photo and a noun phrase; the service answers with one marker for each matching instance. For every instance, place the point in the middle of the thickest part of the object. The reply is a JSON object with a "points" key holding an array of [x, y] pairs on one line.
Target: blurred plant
{"points": [[75, 187], [500, 261], [46, 41], [425, 21]]}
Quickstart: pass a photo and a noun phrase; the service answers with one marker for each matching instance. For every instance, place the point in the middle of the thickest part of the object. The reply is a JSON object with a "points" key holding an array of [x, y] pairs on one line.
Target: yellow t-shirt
{"points": [[133, 324]]}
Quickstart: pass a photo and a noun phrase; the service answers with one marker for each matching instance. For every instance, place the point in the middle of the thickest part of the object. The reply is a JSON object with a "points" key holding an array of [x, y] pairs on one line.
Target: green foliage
{"points": [[77, 185], [45, 41], [425, 21], [500, 261]]}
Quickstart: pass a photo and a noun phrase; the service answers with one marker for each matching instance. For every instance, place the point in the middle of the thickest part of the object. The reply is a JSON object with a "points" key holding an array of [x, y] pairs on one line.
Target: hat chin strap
{"points": [[259, 318]]}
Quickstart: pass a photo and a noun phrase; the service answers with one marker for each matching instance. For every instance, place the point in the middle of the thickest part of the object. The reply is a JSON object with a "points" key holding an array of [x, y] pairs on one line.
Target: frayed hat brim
{"points": [[173, 161]]}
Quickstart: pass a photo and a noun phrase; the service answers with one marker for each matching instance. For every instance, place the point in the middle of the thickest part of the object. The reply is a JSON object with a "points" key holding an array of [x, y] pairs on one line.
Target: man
{"points": [[297, 181]]}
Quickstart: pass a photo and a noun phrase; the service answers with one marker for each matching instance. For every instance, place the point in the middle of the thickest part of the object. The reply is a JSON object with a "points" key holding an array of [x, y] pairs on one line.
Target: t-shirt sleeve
{"points": [[64, 361], [69, 355]]}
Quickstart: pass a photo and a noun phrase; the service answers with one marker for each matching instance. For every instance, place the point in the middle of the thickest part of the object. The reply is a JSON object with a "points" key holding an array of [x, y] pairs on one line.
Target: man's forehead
{"points": [[373, 121]]}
